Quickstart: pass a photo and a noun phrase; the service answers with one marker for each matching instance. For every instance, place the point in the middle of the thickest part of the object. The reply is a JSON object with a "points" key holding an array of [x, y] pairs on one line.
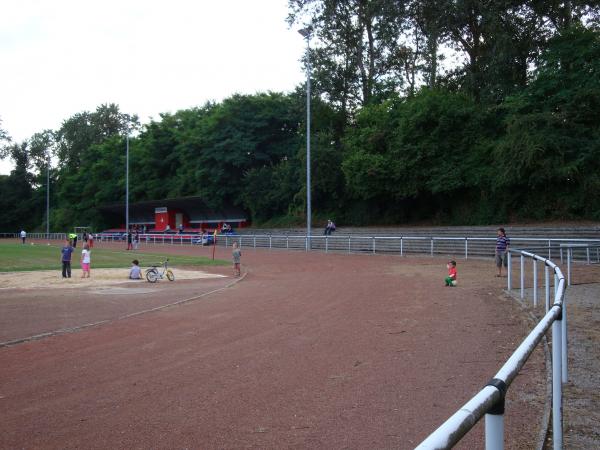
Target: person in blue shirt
{"points": [[66, 253]]}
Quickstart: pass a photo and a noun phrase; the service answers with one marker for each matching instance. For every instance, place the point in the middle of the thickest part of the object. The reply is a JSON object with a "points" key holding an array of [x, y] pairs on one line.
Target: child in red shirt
{"points": [[451, 278]]}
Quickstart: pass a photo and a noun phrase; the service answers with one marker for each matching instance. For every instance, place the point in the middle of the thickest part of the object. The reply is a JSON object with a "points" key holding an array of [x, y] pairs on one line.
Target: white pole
{"points": [[556, 386], [569, 254], [494, 432], [48, 197], [522, 276], [306, 34], [127, 186], [547, 285], [509, 270], [535, 282], [565, 372]]}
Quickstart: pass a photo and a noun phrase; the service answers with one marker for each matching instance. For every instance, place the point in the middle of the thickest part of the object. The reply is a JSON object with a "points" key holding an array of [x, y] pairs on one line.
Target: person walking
{"points": [[23, 236], [502, 244], [129, 240], [66, 253]]}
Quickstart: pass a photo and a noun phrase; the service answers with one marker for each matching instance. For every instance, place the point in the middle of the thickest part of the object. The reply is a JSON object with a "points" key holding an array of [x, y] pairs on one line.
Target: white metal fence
{"points": [[456, 247], [489, 402]]}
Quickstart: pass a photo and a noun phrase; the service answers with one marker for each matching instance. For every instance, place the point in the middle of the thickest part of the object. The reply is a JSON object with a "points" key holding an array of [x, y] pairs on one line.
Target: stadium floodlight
{"points": [[306, 33]]}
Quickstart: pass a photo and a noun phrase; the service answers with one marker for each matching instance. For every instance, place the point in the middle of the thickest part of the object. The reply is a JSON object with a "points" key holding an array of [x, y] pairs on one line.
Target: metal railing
{"points": [[400, 245], [489, 401]]}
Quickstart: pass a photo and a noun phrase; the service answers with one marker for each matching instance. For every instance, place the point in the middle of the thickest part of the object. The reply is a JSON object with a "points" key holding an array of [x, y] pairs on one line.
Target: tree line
{"points": [[399, 134]]}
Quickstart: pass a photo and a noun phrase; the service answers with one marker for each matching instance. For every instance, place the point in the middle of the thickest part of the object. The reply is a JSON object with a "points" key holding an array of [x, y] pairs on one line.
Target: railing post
{"points": [[287, 242], [494, 419], [466, 248], [564, 354], [349, 244], [401, 247], [509, 270], [226, 241], [547, 285], [431, 246], [569, 254], [535, 282], [557, 436], [522, 276], [270, 242], [255, 242], [587, 251], [549, 249], [373, 244], [326, 243]]}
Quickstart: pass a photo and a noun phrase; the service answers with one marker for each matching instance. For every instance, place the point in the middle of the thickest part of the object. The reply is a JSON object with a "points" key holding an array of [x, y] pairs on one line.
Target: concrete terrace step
{"points": [[450, 241], [556, 232]]}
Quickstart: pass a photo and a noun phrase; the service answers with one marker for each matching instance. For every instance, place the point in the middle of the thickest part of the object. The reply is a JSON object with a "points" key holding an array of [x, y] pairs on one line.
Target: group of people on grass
{"points": [[135, 272]]}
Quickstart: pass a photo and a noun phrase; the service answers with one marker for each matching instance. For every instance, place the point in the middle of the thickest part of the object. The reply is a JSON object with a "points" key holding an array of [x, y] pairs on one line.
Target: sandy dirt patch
{"points": [[44, 279]]}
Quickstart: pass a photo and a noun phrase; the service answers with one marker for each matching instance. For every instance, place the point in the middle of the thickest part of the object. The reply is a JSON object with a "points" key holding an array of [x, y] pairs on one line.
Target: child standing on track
{"points": [[451, 278], [237, 255], [85, 261], [66, 252]]}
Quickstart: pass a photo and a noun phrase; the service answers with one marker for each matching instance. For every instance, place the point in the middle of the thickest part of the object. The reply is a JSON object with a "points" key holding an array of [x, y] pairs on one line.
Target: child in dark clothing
{"points": [[66, 253]]}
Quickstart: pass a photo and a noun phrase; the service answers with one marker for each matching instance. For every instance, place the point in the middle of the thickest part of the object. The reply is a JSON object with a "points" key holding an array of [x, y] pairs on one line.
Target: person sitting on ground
{"points": [[135, 273], [330, 228], [451, 278]]}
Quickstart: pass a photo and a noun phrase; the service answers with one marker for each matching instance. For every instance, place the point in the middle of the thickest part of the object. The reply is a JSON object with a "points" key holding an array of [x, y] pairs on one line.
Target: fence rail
{"points": [[489, 401], [573, 250]]}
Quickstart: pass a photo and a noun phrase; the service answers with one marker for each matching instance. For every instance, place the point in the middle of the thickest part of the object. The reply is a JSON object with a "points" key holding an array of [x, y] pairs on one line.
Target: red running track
{"points": [[308, 351]]}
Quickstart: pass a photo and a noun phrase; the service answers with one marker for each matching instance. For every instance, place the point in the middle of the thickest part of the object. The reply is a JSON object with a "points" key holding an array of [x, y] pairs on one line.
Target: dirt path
{"points": [[309, 351]]}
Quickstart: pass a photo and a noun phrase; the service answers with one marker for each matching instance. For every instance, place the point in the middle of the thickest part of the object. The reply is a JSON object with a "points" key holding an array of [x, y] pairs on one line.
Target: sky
{"points": [[62, 57]]}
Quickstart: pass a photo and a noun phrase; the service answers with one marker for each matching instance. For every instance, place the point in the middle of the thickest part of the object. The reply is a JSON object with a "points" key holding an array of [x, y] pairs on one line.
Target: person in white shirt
{"points": [[23, 236], [135, 273], [85, 261]]}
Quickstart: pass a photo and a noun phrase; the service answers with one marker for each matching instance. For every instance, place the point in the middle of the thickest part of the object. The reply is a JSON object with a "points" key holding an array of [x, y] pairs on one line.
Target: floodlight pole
{"points": [[306, 32], [127, 185], [48, 196]]}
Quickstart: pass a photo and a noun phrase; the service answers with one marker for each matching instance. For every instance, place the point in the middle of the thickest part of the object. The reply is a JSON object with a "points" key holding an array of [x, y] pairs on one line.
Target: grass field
{"points": [[17, 258]]}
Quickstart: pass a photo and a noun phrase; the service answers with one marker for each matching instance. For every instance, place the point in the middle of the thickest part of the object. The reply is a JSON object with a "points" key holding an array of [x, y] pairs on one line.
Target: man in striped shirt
{"points": [[502, 243]]}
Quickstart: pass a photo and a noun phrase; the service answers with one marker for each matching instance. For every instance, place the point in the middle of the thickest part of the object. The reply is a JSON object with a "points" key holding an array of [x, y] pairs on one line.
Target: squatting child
{"points": [[451, 278]]}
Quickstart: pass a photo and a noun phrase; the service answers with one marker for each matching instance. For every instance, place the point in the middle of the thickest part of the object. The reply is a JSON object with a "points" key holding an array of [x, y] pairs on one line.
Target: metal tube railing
{"points": [[489, 402]]}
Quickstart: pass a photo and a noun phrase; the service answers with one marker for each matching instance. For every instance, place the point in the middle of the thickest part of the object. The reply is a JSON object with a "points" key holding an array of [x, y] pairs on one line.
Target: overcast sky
{"points": [[62, 57]]}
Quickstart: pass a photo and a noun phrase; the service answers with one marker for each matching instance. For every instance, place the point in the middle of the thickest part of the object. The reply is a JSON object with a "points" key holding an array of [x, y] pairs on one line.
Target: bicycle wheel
{"points": [[151, 275], [170, 275]]}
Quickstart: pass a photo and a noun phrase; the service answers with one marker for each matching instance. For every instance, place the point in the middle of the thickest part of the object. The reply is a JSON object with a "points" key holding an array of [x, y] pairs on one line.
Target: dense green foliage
{"points": [[513, 133]]}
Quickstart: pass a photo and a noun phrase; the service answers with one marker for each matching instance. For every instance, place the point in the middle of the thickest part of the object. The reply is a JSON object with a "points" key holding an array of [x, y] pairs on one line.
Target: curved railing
{"points": [[489, 401]]}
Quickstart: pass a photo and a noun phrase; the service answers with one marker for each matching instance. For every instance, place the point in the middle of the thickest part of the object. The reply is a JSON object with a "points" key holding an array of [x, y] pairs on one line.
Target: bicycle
{"points": [[153, 274]]}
